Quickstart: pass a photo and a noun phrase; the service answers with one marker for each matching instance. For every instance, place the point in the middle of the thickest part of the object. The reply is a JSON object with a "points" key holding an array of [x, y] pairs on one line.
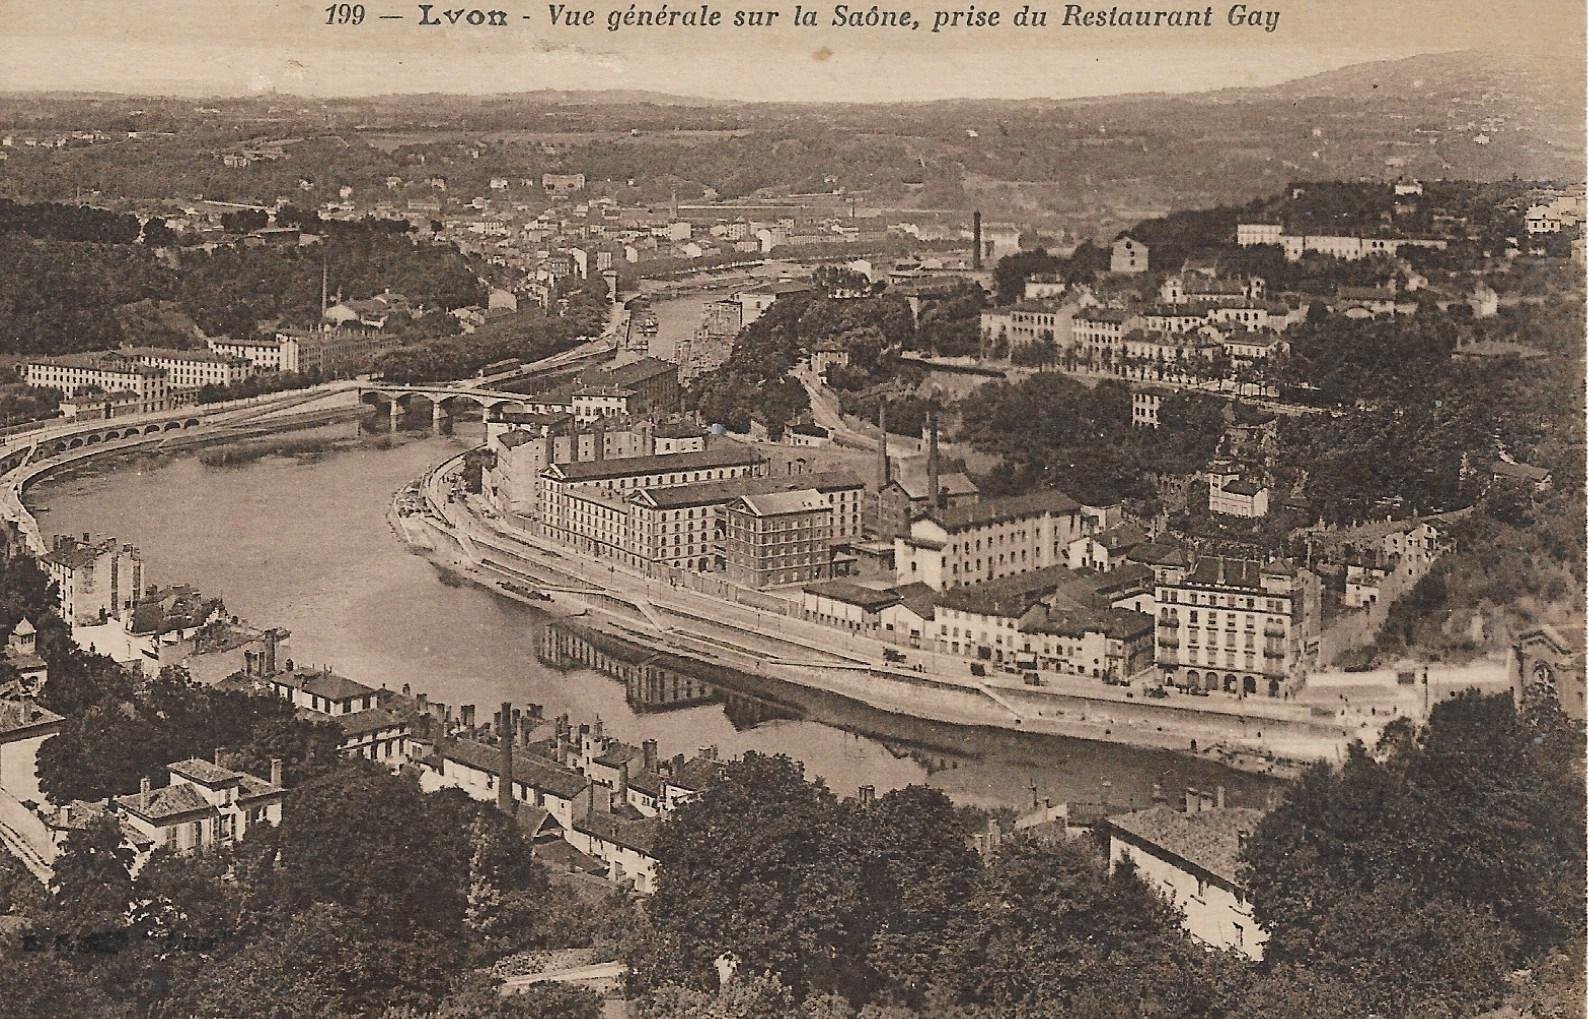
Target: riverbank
{"points": [[1258, 737]]}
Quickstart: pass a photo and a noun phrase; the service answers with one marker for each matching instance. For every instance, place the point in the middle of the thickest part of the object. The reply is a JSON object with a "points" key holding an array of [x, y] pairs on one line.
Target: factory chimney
{"points": [[934, 495], [882, 446], [504, 739], [975, 233]]}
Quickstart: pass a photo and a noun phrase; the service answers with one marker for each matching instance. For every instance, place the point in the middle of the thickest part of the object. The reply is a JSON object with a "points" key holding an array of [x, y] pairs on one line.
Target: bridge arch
{"points": [[171, 426], [150, 429], [94, 437], [190, 423]]}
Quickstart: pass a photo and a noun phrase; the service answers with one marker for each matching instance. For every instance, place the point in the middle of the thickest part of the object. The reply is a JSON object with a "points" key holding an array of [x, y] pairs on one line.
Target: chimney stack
{"points": [[868, 795], [934, 497], [1193, 800], [1219, 797], [218, 763], [505, 743], [467, 716], [275, 771], [648, 750], [882, 446], [272, 638], [1108, 790], [620, 793], [143, 792], [975, 232]]}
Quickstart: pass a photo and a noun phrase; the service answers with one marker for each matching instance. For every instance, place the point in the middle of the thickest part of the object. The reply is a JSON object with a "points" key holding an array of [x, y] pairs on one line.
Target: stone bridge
{"points": [[23, 449], [443, 401]]}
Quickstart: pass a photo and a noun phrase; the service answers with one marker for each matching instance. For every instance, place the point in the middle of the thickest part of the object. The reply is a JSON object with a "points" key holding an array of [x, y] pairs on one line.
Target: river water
{"points": [[302, 542]]}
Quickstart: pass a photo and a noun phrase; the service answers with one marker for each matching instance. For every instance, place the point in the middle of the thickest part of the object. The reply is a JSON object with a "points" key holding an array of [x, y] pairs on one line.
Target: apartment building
{"points": [[778, 538], [983, 541], [110, 371], [191, 369], [684, 525], [1237, 625], [203, 805], [263, 352], [94, 580]]}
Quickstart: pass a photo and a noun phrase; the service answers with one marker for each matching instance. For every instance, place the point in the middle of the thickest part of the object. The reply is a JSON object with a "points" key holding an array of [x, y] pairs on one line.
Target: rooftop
{"points": [[20, 715], [708, 493], [323, 683], [1014, 507], [1010, 596], [636, 834], [916, 484], [772, 504], [562, 782], [1209, 840], [204, 772], [633, 466], [169, 802], [851, 593]]}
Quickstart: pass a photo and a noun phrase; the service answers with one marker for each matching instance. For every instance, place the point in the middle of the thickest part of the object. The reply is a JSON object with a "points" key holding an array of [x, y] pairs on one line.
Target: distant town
{"points": [[1281, 489]]}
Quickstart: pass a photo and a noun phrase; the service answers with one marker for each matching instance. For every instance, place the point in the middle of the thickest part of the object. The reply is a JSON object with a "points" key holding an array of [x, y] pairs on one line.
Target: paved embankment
{"points": [[1254, 734]]}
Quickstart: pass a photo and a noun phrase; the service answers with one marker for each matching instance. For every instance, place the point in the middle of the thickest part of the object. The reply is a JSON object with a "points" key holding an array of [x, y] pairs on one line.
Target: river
{"points": [[302, 542]]}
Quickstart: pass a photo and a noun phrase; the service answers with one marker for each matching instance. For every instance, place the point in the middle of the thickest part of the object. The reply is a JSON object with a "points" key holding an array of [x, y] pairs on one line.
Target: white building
{"points": [[1192, 859], [976, 542]]}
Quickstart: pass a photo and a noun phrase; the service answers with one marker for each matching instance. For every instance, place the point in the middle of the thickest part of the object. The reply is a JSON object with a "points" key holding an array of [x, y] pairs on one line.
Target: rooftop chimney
{"points": [[1219, 797], [143, 792], [648, 750], [275, 771], [1193, 800], [868, 795], [621, 790], [934, 496], [975, 233], [218, 763]]}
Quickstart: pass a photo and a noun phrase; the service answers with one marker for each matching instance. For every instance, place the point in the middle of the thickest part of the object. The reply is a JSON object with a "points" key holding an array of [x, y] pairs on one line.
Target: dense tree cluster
{"points": [[58, 222], [1411, 881], [1051, 431], [62, 295]]}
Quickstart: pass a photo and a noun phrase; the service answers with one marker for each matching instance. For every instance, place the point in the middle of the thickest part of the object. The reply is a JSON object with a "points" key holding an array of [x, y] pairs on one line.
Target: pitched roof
{"points": [[1013, 507], [1008, 596], [697, 774], [204, 772], [356, 723], [636, 834], [854, 594], [772, 504], [1522, 472], [323, 683], [175, 608], [1207, 840], [631, 466], [916, 484], [170, 802], [537, 774], [711, 493], [21, 715]]}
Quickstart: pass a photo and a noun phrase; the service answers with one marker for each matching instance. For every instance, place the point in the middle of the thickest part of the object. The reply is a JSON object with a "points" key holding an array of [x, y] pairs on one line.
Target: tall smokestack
{"points": [[975, 231], [934, 499], [504, 739], [882, 447]]}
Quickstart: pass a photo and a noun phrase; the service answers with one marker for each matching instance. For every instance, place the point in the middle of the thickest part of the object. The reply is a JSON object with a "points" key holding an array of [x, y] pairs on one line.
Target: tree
{"points": [[1052, 931], [362, 838], [755, 869], [920, 875], [1475, 824], [93, 880]]}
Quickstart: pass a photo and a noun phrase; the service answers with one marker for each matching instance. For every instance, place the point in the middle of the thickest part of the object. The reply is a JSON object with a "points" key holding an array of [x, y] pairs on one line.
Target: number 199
{"points": [[344, 14]]}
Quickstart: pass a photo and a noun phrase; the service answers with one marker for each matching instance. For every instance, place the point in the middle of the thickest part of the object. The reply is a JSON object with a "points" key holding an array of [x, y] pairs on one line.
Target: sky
{"points": [[237, 47]]}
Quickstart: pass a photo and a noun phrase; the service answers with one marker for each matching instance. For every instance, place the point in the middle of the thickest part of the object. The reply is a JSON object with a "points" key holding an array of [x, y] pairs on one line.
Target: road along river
{"points": [[302, 541]]}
